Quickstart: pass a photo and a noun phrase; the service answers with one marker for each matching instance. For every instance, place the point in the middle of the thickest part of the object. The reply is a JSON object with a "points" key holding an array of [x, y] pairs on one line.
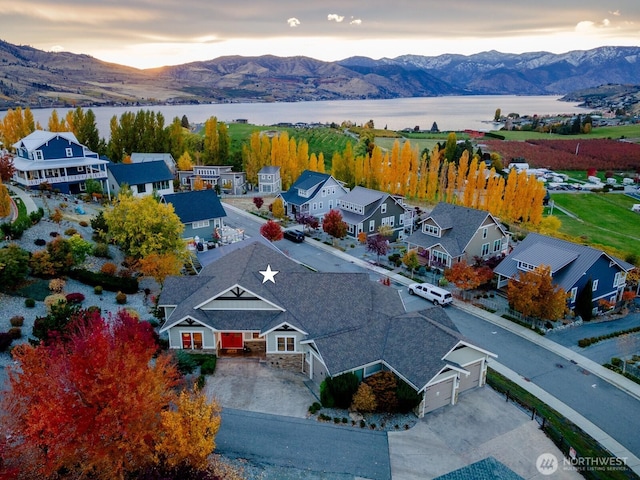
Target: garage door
{"points": [[473, 379], [319, 371], [439, 395]]}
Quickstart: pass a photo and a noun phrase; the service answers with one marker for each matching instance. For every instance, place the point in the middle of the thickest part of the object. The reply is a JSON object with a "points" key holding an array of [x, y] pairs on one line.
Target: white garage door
{"points": [[438, 395], [473, 379]]}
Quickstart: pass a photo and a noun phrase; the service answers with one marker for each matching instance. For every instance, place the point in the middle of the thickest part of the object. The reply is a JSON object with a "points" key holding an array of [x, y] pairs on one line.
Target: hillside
{"points": [[31, 77]]}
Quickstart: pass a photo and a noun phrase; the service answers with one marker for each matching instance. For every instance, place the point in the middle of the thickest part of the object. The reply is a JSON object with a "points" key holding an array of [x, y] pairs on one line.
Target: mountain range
{"points": [[35, 78]]}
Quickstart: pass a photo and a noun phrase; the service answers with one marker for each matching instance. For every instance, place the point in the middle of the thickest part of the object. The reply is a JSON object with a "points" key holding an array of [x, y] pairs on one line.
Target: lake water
{"points": [[450, 113]]}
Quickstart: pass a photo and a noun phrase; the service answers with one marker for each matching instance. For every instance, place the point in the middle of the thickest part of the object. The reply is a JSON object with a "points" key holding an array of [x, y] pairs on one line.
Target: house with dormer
{"points": [[452, 233], [221, 178], [312, 193], [200, 211], [366, 210], [57, 160], [572, 266], [143, 178], [248, 302], [269, 180]]}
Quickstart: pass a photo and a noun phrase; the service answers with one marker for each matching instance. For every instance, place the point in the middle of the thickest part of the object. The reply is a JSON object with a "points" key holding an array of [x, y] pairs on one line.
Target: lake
{"points": [[450, 113]]}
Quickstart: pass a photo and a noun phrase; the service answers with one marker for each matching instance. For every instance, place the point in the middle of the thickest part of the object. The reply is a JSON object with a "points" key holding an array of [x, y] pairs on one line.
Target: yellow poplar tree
{"points": [[313, 162], [480, 197], [321, 168], [5, 201], [433, 173], [16, 125], [198, 183], [470, 184], [375, 162], [463, 168], [509, 196], [184, 163], [277, 208], [451, 183], [56, 124], [211, 146]]}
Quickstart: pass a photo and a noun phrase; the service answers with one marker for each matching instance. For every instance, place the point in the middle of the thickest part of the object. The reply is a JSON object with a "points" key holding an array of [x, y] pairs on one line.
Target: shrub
{"points": [[40, 242], [616, 362], [17, 321], [83, 223], [70, 231], [343, 388], [29, 302], [326, 397], [314, 408], [53, 234], [75, 297], [185, 362], [109, 283], [57, 285], [384, 386], [5, 341], [408, 398], [97, 289], [101, 250], [200, 382], [209, 366], [109, 268], [15, 332], [364, 399], [54, 300], [121, 298]]}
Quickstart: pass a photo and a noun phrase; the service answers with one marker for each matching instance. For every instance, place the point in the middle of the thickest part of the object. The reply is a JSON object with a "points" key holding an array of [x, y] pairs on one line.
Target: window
{"points": [[141, 188], [595, 286], [485, 249], [372, 225], [440, 257], [616, 279], [574, 292], [38, 155], [497, 245], [330, 204], [200, 224], [192, 340], [484, 232], [320, 205], [163, 185], [82, 186], [286, 344], [324, 192], [526, 266], [81, 169], [315, 207], [431, 229], [383, 208], [68, 152]]}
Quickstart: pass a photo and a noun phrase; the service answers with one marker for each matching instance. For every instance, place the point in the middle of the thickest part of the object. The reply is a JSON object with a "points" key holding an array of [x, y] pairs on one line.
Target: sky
{"points": [[154, 33]]}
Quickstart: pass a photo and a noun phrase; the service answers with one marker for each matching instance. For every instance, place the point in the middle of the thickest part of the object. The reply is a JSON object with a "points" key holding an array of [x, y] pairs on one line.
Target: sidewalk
{"points": [[25, 197]]}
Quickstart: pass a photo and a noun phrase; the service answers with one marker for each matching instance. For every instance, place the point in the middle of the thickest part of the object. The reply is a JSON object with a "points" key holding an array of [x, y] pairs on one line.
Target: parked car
{"points": [[294, 235], [437, 295]]}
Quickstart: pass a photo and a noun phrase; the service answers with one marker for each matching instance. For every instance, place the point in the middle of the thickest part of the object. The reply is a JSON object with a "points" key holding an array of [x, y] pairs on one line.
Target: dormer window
{"points": [[38, 155], [431, 230], [526, 266], [68, 152]]}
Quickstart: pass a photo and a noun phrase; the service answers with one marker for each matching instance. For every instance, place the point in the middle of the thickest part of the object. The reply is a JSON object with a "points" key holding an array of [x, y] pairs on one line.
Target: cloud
{"points": [[57, 48], [587, 26], [293, 22], [334, 17], [355, 21], [615, 13]]}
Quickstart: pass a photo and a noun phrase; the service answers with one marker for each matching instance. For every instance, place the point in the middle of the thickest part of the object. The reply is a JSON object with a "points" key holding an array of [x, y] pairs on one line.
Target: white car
{"points": [[437, 295]]}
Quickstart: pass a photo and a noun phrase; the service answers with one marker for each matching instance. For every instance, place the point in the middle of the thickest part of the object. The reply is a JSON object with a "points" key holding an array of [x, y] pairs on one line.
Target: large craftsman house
{"points": [[572, 266], [313, 193], [255, 299], [451, 233], [57, 160], [366, 210]]}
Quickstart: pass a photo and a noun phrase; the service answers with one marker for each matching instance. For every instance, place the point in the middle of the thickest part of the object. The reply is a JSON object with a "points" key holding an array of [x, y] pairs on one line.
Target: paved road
{"points": [[334, 451]]}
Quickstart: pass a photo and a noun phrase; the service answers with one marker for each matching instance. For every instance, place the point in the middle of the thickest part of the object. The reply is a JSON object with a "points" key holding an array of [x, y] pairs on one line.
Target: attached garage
{"points": [[473, 379], [439, 394]]}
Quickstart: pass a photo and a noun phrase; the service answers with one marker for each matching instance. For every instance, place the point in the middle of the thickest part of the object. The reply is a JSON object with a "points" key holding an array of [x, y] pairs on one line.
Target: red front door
{"points": [[232, 340]]}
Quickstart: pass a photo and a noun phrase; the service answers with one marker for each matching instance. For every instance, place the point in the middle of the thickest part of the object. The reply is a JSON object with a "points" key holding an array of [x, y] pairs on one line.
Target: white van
{"points": [[437, 295]]}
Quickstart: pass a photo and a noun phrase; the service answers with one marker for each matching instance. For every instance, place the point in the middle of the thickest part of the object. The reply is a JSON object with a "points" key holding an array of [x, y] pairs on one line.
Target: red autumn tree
{"points": [[334, 225], [377, 244], [90, 402], [272, 231], [258, 202], [467, 277], [6, 167]]}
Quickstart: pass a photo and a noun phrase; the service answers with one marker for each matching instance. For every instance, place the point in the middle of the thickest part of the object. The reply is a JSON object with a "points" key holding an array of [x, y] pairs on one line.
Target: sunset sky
{"points": [[151, 33]]}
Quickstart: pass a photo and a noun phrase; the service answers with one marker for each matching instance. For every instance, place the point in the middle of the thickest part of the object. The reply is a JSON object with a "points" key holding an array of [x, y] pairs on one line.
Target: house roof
{"points": [[367, 198], [140, 173], [359, 321], [308, 180], [269, 169], [568, 261], [37, 138], [196, 205], [458, 226], [486, 469]]}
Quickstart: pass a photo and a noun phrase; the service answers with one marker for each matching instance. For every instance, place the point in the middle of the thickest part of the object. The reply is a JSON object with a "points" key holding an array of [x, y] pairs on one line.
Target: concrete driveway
{"points": [[247, 384], [482, 424]]}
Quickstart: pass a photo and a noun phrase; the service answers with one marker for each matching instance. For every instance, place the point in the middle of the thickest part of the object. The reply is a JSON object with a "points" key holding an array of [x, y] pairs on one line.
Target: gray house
{"points": [[167, 158], [366, 210], [313, 193], [248, 302], [201, 212], [221, 177], [451, 233], [269, 180]]}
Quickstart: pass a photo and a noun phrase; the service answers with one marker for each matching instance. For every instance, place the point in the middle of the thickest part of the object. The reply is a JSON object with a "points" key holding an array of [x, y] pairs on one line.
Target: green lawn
{"points": [[623, 131], [602, 219], [386, 144]]}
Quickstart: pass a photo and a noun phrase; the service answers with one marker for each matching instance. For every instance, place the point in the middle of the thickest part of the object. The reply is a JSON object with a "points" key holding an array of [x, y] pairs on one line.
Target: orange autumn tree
{"points": [[89, 403], [533, 294], [467, 277], [160, 265]]}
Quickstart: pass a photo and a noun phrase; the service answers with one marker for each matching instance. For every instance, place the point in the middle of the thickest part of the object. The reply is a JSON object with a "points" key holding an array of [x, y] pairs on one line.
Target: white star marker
{"points": [[268, 274]]}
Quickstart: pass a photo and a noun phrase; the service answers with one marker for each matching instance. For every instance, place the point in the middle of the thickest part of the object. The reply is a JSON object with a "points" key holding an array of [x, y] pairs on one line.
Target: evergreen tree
{"points": [[584, 301]]}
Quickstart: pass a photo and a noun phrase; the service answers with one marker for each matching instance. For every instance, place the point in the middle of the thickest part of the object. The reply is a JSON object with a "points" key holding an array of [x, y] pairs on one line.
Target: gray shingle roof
{"points": [[196, 205], [352, 320], [308, 180], [139, 173], [458, 224], [543, 250]]}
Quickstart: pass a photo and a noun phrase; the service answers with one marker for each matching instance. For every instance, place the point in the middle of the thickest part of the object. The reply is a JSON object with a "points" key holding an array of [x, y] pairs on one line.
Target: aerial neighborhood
{"points": [[407, 281]]}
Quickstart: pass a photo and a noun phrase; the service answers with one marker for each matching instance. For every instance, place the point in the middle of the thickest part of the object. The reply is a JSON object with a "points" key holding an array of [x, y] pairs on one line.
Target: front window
{"points": [[595, 285], [200, 224], [574, 292], [372, 225], [192, 340], [497, 245], [286, 344], [163, 185], [484, 232], [485, 249], [141, 188]]}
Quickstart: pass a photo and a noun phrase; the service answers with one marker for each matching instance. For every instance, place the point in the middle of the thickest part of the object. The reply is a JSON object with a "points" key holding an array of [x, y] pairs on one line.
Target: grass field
{"points": [[602, 219], [631, 132]]}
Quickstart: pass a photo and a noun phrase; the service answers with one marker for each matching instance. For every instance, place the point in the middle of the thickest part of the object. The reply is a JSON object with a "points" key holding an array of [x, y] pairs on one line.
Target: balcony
{"points": [[60, 179]]}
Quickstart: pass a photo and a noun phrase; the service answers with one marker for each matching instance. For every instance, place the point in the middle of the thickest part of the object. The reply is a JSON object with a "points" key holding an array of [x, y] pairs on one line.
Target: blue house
{"points": [[313, 193], [58, 160], [143, 178], [200, 211], [572, 266]]}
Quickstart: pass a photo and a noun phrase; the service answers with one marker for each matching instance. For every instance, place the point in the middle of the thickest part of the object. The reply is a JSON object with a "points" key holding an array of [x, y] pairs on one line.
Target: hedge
{"points": [[107, 282], [585, 342]]}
